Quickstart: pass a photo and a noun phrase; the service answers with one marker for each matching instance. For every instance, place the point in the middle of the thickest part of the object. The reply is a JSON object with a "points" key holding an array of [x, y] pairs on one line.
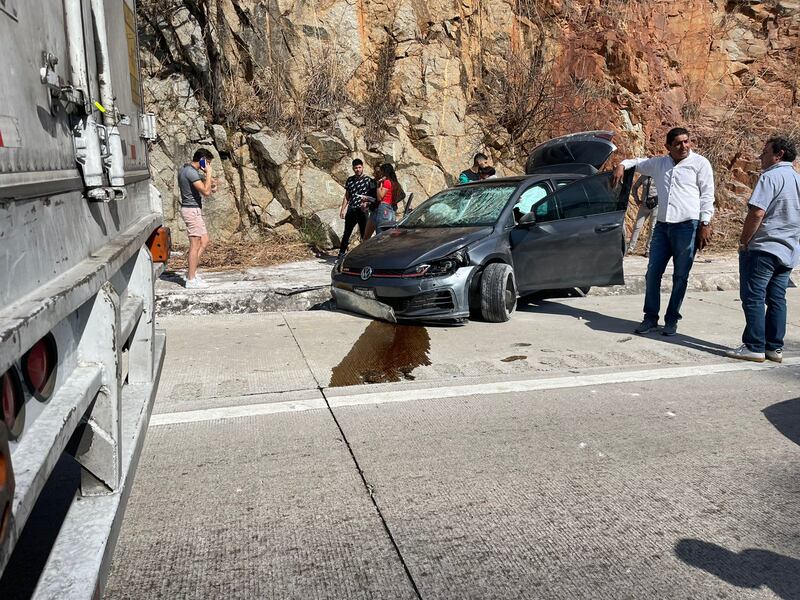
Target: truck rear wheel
{"points": [[498, 293]]}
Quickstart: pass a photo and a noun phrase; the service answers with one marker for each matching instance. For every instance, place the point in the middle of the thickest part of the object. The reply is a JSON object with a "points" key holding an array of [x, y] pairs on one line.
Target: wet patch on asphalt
{"points": [[384, 353]]}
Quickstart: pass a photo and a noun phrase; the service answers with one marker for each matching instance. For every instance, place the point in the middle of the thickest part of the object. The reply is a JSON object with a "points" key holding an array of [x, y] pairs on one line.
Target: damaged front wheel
{"points": [[498, 293]]}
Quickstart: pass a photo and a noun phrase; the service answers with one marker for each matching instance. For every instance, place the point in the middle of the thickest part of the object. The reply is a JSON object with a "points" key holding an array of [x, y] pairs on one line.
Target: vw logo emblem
{"points": [[366, 273]]}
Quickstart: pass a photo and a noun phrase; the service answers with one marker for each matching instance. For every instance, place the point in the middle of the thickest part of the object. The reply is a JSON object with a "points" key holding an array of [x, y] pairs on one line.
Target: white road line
{"points": [[533, 385], [236, 412], [479, 389]]}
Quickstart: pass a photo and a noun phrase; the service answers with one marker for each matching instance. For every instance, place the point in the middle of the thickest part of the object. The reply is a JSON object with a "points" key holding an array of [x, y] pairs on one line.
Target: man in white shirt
{"points": [[685, 184]]}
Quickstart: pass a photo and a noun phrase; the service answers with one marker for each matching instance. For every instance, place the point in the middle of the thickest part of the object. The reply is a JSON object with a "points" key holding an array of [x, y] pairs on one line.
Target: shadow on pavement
{"points": [[785, 417], [601, 322], [751, 568], [172, 277]]}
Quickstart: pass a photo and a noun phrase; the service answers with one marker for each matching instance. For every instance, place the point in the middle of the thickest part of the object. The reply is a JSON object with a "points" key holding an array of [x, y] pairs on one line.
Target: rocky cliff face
{"points": [[288, 92]]}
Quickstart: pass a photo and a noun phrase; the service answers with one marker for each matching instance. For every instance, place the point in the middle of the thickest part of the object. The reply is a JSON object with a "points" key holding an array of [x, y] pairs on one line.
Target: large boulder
{"points": [[271, 148], [220, 137], [318, 191], [332, 225], [324, 150]]}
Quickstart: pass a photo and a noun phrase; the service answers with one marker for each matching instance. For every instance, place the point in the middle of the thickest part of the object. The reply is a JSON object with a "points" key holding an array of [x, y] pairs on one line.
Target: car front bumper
{"points": [[400, 298]]}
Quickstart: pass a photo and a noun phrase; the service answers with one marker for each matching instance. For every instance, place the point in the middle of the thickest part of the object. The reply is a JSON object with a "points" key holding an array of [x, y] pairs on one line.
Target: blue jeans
{"points": [[763, 280], [675, 241], [382, 214]]}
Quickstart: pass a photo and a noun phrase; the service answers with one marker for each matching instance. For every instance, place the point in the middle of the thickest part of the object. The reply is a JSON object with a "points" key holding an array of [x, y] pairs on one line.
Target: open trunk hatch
{"points": [[571, 151]]}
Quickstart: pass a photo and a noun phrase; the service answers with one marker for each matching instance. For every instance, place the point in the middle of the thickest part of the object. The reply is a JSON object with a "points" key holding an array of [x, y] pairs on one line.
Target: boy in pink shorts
{"points": [[195, 183]]}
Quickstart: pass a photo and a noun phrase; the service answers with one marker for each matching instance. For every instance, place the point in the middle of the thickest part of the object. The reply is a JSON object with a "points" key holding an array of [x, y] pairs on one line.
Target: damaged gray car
{"points": [[472, 250]]}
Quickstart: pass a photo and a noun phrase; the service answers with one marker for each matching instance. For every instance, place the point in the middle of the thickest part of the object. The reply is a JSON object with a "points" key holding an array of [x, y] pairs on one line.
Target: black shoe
{"points": [[646, 326], [670, 329]]}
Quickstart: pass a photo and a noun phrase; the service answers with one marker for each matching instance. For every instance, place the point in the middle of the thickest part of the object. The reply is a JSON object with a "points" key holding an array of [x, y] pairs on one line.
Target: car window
{"points": [[562, 182], [530, 197], [547, 210], [464, 206], [590, 196]]}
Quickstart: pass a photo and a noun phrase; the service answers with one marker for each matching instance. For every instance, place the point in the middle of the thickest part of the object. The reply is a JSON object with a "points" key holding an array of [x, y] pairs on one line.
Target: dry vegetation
{"points": [[244, 254], [379, 105], [268, 96], [531, 105], [521, 99]]}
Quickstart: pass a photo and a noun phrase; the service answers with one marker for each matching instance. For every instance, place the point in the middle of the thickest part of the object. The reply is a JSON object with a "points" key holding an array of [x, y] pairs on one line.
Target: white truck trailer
{"points": [[80, 357]]}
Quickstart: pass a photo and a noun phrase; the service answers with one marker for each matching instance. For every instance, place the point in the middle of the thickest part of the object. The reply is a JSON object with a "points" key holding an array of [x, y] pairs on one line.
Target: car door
{"points": [[577, 237]]}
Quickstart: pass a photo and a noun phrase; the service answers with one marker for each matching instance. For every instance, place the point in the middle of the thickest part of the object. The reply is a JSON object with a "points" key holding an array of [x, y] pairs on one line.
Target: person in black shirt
{"points": [[358, 188], [481, 161]]}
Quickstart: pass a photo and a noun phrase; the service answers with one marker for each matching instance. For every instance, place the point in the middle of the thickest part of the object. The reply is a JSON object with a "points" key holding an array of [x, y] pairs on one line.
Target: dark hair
{"points": [[357, 162], [479, 156], [202, 153], [675, 132], [781, 143], [398, 193], [387, 171]]}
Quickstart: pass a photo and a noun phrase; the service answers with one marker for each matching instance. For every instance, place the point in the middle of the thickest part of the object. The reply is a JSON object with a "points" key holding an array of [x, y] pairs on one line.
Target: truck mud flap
{"points": [[352, 302]]}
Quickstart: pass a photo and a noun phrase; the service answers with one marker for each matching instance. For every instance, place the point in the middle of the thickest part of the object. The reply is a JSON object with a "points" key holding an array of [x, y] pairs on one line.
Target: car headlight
{"points": [[438, 268]]}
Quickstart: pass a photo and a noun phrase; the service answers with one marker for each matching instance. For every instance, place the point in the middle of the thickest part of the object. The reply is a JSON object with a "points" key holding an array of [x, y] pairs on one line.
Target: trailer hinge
{"points": [[70, 97], [147, 129]]}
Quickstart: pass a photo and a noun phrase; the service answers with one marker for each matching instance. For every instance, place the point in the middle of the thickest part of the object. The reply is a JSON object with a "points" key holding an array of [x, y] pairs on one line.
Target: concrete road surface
{"points": [[322, 455]]}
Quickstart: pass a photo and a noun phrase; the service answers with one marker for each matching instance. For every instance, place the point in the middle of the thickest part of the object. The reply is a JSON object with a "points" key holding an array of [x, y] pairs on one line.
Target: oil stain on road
{"points": [[514, 358], [384, 353]]}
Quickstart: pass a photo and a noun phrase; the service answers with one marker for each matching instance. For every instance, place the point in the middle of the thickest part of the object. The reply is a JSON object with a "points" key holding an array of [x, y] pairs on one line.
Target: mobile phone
{"points": [[202, 163]]}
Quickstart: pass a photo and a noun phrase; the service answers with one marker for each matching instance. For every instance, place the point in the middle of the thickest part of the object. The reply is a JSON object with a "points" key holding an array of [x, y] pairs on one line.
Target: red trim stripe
{"points": [[383, 275], [2, 145]]}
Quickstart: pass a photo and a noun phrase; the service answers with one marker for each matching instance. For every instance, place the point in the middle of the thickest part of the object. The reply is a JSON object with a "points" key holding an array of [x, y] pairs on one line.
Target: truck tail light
{"points": [[39, 367], [13, 403], [6, 483]]}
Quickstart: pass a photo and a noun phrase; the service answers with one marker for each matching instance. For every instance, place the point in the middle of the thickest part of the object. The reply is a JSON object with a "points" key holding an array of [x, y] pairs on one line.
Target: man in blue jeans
{"points": [[769, 248], [685, 184]]}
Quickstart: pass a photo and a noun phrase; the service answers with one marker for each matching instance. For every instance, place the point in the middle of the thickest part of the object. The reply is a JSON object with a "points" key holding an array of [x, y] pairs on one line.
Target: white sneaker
{"points": [[744, 353], [775, 355], [195, 284], [199, 276]]}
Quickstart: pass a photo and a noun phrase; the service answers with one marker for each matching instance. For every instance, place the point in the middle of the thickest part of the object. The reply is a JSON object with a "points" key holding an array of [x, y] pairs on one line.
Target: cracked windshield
{"points": [[462, 207]]}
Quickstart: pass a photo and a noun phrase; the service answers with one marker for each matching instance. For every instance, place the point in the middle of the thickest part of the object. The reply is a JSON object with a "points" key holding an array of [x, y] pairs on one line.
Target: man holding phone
{"points": [[195, 183]]}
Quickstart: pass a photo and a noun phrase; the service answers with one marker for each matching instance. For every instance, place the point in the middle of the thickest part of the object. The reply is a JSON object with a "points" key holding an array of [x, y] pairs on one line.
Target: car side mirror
{"points": [[528, 219]]}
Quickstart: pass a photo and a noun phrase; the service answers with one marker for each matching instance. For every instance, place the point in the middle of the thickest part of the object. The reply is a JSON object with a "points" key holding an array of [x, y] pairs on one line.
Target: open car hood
{"points": [[400, 248], [585, 148]]}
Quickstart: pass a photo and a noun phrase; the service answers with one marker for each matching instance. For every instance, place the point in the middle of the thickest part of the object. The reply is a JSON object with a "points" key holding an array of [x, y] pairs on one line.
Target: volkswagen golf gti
{"points": [[472, 250]]}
